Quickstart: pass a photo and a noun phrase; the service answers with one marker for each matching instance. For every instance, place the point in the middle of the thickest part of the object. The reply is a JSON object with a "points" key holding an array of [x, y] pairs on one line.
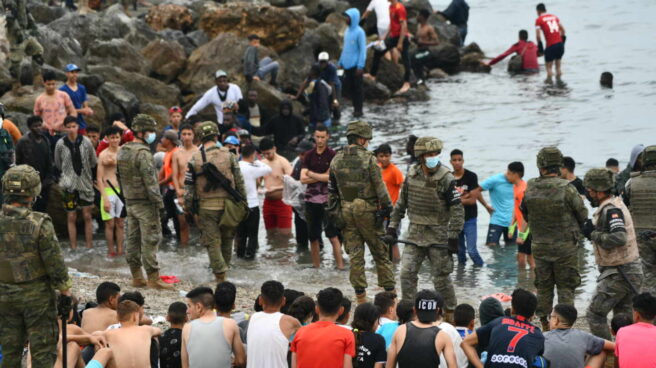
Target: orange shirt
{"points": [[519, 190], [393, 178], [13, 131]]}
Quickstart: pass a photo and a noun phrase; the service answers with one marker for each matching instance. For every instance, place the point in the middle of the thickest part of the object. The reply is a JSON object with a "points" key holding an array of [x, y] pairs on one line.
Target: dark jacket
{"points": [[457, 12], [320, 101], [251, 61], [36, 154], [283, 127]]}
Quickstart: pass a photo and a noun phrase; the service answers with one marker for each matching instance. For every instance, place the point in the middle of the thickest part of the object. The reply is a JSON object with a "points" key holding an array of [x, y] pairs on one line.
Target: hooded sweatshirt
{"points": [[354, 53], [283, 127]]}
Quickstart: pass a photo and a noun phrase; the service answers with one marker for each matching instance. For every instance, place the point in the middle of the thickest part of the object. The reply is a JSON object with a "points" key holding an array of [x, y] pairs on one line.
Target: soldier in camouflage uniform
{"points": [[139, 185], [31, 269], [640, 196], [616, 251], [356, 185], [217, 239], [436, 218], [21, 29], [555, 212]]}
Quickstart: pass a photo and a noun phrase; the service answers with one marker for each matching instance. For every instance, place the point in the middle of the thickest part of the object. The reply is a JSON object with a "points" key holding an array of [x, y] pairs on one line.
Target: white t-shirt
{"points": [[233, 94], [456, 340], [381, 8], [250, 172]]}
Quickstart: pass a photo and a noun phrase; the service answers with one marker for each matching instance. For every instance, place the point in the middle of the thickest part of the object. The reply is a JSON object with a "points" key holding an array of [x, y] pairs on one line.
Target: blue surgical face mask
{"points": [[219, 145], [150, 137], [432, 162]]}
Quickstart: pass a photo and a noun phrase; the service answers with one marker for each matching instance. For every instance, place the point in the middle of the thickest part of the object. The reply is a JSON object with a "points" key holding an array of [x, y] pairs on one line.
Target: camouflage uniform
{"points": [[19, 22], [555, 212], [217, 239], [356, 184], [640, 195], [436, 218], [138, 179], [616, 253], [31, 269]]}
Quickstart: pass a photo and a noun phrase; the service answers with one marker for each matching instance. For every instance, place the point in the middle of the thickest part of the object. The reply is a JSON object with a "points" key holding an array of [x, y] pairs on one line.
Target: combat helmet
{"points": [[426, 145], [549, 157], [359, 128], [599, 180], [648, 158], [143, 123], [207, 129], [21, 181]]}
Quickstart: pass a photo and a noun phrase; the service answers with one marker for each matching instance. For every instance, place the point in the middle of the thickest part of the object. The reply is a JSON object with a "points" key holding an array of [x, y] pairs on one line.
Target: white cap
{"points": [[323, 56], [220, 73]]}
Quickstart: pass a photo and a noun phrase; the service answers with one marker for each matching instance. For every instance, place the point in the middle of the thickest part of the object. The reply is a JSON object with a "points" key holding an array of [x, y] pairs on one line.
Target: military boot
{"points": [[220, 277], [545, 324], [448, 316], [156, 283], [361, 298], [138, 279]]}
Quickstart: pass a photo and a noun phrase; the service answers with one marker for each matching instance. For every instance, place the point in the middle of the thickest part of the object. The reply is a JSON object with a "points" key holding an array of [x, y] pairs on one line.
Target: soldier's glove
{"points": [[382, 214], [453, 244], [390, 236], [588, 228]]}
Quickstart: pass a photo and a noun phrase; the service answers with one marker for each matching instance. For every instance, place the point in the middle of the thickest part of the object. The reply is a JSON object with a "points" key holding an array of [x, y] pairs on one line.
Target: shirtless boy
{"points": [[179, 163], [426, 37], [104, 315], [277, 215], [111, 205], [76, 338]]}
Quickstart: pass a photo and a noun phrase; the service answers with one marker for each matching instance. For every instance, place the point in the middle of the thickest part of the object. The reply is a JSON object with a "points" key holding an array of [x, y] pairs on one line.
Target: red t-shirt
{"points": [[550, 26], [322, 344], [397, 15], [529, 53]]}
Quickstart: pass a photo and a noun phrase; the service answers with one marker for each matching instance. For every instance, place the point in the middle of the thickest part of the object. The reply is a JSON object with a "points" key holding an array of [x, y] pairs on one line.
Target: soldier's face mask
{"points": [[150, 137], [432, 162]]}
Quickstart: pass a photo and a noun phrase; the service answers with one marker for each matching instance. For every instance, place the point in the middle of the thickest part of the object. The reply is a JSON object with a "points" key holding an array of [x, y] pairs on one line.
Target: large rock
{"points": [[447, 57], [325, 38], [279, 28], [413, 7], [60, 50], [389, 74], [89, 28], [22, 103], [170, 16], [117, 52], [419, 94], [117, 99], [99, 116], [166, 59], [473, 62], [270, 97], [91, 82], [374, 91], [5, 79], [158, 112], [445, 31], [45, 14], [146, 89], [320, 9]]}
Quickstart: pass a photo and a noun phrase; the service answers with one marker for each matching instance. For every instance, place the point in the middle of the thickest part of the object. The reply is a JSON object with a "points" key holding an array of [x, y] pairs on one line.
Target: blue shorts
{"points": [[94, 364], [494, 233], [554, 52]]}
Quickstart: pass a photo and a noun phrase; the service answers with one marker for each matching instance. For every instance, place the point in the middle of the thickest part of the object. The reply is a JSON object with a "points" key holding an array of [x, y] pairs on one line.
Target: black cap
{"points": [[427, 302]]}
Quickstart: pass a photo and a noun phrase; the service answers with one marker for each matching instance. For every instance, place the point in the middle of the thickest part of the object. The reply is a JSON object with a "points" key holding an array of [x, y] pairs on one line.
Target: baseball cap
{"points": [[323, 56], [220, 73], [231, 140], [304, 146], [172, 136], [427, 302], [243, 132], [72, 68], [175, 109]]}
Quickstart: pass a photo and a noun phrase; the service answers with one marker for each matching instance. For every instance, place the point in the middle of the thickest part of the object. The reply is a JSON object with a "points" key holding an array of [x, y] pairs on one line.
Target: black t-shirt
{"points": [[170, 345], [510, 342], [370, 351], [578, 184], [466, 184]]}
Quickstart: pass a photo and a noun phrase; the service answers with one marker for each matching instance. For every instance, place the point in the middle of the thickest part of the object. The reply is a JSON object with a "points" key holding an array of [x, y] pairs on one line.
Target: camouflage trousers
{"points": [[360, 229], [28, 313], [218, 240], [647, 250], [612, 293], [143, 236], [556, 265], [441, 263]]}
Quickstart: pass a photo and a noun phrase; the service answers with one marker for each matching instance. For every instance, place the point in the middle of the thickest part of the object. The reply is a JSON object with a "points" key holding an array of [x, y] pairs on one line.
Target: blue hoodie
{"points": [[354, 54]]}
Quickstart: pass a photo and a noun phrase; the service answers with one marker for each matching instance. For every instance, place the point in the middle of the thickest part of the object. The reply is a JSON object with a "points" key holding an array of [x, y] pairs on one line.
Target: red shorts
{"points": [[277, 215]]}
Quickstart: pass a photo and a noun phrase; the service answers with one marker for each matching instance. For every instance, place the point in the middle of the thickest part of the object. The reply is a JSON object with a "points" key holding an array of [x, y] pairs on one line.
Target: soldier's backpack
{"points": [[6, 149]]}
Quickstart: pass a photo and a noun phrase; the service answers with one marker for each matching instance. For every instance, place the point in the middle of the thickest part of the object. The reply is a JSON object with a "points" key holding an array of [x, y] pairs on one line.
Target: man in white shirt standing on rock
{"points": [[217, 96]]}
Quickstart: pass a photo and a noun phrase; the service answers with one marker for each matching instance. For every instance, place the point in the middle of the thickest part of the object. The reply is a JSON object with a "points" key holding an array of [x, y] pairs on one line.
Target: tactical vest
{"points": [[19, 248], [221, 158], [550, 217], [643, 199], [130, 177], [618, 255], [351, 169], [427, 203]]}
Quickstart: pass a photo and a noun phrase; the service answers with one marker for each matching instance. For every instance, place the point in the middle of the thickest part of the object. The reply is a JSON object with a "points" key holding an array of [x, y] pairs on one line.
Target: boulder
{"points": [[166, 59], [270, 97], [198, 38], [42, 13], [445, 31], [158, 112], [6, 79], [413, 7], [117, 99], [178, 36], [91, 82], [170, 16], [99, 115], [146, 89], [59, 50], [472, 47], [60, 75], [310, 23], [389, 74], [447, 57], [117, 52], [419, 94], [374, 91], [19, 119], [140, 34], [320, 9], [89, 28], [279, 28], [339, 21], [325, 38], [437, 73], [473, 62], [22, 103]]}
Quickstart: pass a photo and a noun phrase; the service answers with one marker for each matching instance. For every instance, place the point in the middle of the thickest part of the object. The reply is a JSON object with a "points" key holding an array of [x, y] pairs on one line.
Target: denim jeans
{"points": [[268, 66], [467, 244]]}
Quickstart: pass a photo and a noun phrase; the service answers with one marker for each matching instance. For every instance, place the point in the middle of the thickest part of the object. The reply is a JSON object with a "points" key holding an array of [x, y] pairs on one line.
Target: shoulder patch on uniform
{"points": [[615, 220]]}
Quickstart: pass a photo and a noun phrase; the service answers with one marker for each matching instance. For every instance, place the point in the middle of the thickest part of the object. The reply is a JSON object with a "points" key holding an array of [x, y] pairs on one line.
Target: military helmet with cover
{"points": [[144, 123], [426, 145], [648, 158], [22, 181], [599, 180], [359, 128], [207, 129], [550, 157]]}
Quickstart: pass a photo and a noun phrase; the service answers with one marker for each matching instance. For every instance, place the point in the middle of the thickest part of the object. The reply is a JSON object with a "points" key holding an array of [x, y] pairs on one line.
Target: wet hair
{"points": [[113, 130], [567, 313], [384, 149], [523, 35], [106, 290], [202, 295], [612, 162], [404, 311], [384, 300], [329, 301], [253, 36], [248, 150], [365, 317], [410, 145], [569, 163], [606, 79], [541, 8], [126, 309], [456, 152], [463, 315], [177, 313], [49, 75], [517, 168], [70, 119], [524, 302], [266, 144], [620, 320], [645, 305], [272, 292], [424, 13], [225, 296], [34, 119], [321, 128], [133, 296], [290, 296], [302, 308], [92, 128], [187, 126], [346, 303]]}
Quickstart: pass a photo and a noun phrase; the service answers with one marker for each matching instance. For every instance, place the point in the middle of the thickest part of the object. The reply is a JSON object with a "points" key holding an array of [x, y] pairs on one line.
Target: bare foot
{"points": [[404, 88]]}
